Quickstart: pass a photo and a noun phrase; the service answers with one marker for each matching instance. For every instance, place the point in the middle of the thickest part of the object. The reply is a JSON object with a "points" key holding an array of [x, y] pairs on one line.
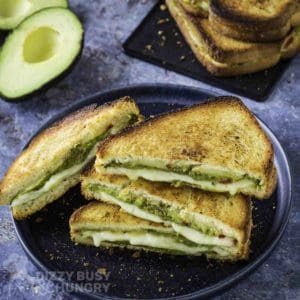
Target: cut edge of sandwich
{"points": [[29, 193], [105, 225], [196, 227]]}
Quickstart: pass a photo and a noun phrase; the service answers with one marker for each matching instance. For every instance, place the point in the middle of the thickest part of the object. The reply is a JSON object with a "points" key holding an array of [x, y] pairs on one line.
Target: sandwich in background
{"points": [[52, 162], [196, 7], [225, 55], [203, 218], [106, 225], [216, 146], [254, 21]]}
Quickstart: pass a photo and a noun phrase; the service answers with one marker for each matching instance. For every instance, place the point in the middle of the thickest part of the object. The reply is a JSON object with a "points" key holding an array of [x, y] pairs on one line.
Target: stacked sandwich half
{"points": [[179, 183], [239, 37]]}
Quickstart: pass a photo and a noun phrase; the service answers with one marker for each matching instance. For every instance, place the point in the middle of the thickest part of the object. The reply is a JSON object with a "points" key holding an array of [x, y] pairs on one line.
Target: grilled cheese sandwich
{"points": [[216, 146], [52, 163]]}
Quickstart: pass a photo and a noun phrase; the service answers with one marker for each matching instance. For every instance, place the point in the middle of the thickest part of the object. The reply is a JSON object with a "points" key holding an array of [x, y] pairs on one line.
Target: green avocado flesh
{"points": [[40, 49], [158, 211], [13, 12], [77, 158], [152, 239]]}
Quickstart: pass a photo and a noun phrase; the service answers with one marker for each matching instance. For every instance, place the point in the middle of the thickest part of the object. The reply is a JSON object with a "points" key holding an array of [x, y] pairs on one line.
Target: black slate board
{"points": [[158, 40], [45, 236]]}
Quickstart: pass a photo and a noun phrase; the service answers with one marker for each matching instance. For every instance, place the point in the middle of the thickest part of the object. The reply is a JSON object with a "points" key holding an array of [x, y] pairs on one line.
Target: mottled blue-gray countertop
{"points": [[103, 65]]}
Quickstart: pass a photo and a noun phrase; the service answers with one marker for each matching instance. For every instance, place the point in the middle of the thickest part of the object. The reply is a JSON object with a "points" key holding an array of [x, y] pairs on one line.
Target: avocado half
{"points": [[42, 47], [13, 12]]}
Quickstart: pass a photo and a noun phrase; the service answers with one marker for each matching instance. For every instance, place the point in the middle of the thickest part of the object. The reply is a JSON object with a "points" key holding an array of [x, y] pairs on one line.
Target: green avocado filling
{"points": [[163, 210], [76, 155], [80, 152]]}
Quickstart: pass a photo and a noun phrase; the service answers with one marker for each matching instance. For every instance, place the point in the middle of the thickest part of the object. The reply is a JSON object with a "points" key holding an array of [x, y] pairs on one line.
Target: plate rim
{"points": [[223, 284]]}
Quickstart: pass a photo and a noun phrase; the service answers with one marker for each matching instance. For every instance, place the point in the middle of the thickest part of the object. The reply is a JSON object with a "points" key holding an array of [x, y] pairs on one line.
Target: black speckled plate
{"points": [[158, 40], [45, 236]]}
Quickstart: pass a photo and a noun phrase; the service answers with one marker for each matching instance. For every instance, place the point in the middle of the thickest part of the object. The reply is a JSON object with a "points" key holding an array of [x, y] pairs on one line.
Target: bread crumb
{"points": [[163, 7], [136, 254], [102, 271]]}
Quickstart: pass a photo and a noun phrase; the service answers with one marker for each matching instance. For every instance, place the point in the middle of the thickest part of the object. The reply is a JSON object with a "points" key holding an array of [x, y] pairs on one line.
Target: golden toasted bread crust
{"points": [[48, 150], [254, 14], [254, 21], [100, 213], [198, 12], [248, 225], [238, 32], [220, 132], [222, 56], [230, 51]]}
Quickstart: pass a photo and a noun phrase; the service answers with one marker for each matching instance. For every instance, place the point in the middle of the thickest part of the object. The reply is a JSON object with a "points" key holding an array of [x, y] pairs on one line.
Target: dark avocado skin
{"points": [[50, 83], [3, 36]]}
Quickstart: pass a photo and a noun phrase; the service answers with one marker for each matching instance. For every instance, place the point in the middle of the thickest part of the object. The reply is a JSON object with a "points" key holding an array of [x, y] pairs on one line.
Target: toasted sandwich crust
{"points": [[108, 214], [238, 32], [220, 132], [230, 51], [258, 15], [193, 10], [222, 56]]}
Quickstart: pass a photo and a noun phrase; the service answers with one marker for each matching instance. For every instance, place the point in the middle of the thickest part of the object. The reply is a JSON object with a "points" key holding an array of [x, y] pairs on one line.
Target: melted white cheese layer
{"points": [[189, 233], [54, 180], [149, 240], [164, 176]]}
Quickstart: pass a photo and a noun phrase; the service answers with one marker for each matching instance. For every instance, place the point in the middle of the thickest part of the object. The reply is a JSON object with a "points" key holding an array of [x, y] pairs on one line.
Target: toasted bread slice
{"points": [[216, 146], [51, 163], [196, 7], [255, 21], [291, 45], [196, 215], [106, 225], [295, 21], [221, 55]]}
